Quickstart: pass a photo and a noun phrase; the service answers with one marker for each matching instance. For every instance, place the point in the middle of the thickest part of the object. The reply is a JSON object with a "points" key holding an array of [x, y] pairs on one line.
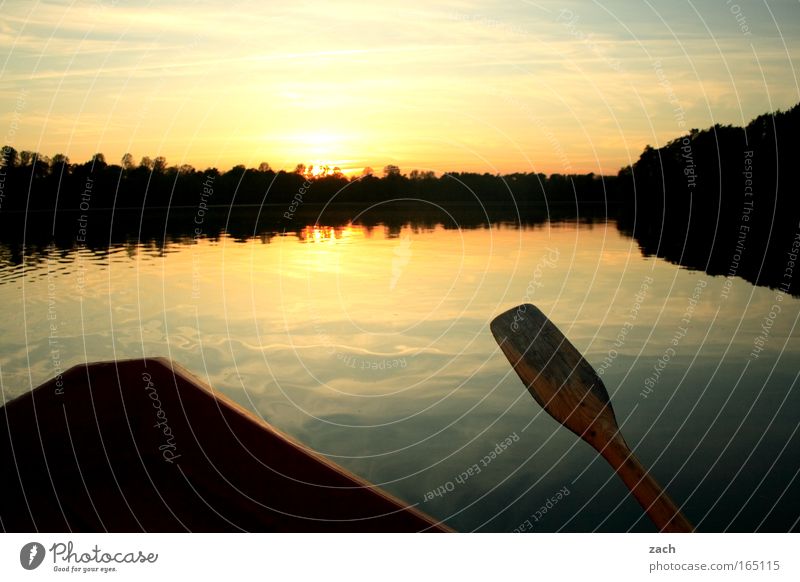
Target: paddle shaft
{"points": [[659, 507]]}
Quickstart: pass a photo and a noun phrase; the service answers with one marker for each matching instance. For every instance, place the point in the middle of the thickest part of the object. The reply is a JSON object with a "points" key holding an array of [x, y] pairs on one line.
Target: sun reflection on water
{"points": [[330, 234]]}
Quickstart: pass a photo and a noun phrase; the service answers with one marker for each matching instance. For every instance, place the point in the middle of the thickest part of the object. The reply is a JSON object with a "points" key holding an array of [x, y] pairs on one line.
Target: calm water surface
{"points": [[372, 346]]}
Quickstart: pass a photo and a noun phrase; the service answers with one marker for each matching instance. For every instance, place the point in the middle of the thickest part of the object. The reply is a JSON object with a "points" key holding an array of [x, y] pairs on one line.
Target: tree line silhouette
{"points": [[722, 200], [717, 200], [37, 182]]}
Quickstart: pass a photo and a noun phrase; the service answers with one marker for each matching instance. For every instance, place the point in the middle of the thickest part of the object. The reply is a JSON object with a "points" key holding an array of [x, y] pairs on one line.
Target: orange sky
{"points": [[472, 86]]}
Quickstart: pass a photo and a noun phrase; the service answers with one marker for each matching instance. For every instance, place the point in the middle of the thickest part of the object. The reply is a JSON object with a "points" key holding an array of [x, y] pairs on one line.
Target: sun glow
{"points": [[322, 152], [320, 169], [321, 144]]}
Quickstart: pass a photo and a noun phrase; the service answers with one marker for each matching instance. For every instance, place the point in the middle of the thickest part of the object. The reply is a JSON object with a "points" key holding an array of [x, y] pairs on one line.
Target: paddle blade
{"points": [[567, 387], [555, 373]]}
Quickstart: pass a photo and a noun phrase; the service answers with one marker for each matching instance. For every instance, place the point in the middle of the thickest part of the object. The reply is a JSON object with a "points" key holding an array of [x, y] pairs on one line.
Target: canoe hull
{"points": [[142, 445]]}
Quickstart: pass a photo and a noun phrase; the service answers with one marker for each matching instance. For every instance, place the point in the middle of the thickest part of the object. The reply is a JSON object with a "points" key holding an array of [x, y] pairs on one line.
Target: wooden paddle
{"points": [[567, 387]]}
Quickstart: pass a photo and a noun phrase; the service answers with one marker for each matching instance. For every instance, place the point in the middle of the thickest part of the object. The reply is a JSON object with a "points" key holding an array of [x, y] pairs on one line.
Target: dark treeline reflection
{"points": [[102, 230], [717, 200]]}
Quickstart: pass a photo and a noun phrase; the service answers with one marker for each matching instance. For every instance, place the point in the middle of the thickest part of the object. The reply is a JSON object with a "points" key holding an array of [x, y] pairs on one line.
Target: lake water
{"points": [[372, 346]]}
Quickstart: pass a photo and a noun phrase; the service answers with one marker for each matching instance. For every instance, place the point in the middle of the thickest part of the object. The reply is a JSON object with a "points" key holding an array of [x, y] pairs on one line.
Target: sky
{"points": [[490, 86]]}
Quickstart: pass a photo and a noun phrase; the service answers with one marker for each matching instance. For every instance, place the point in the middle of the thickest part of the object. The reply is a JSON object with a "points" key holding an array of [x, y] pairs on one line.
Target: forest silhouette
{"points": [[717, 200]]}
